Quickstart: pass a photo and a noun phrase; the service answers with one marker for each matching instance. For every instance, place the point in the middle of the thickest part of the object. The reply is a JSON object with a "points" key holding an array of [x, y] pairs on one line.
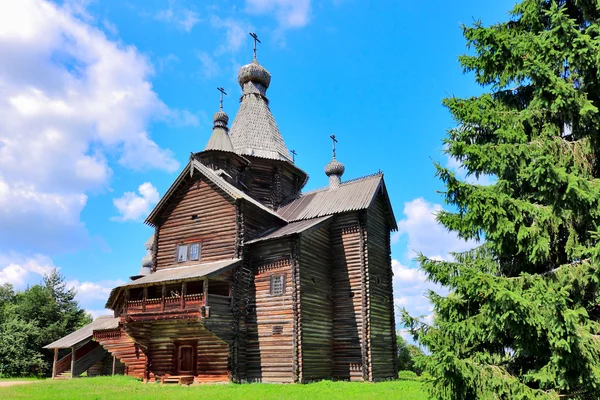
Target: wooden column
{"points": [[54, 363], [183, 293], [144, 299], [72, 361], [164, 293], [126, 300], [114, 365]]}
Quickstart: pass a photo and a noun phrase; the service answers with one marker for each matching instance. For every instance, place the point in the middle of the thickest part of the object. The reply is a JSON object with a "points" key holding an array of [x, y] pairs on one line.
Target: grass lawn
{"points": [[120, 387]]}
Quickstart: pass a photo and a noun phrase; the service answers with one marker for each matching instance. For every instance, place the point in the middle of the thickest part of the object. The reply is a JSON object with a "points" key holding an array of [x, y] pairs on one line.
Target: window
{"points": [[277, 285], [194, 251], [188, 252], [182, 252]]}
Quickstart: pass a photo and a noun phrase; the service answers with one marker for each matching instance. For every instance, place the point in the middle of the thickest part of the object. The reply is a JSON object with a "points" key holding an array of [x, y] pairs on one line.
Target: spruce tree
{"points": [[521, 320]]}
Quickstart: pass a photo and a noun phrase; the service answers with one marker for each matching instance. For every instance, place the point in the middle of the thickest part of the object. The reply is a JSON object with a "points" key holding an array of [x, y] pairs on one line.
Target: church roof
{"points": [[212, 176], [291, 229], [81, 334], [353, 195], [177, 274], [254, 131]]}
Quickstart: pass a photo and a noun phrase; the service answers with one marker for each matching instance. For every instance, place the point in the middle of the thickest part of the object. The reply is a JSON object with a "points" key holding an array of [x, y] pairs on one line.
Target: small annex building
{"points": [[247, 278]]}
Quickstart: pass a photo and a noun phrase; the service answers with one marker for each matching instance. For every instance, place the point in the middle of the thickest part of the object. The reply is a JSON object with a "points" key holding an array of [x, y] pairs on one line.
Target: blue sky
{"points": [[101, 103]]}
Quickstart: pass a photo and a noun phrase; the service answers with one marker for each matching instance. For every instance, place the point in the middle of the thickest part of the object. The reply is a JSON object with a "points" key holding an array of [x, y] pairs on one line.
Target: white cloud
{"points": [[95, 313], [133, 207], [182, 18], [70, 100], [289, 13], [20, 270], [425, 235], [90, 295], [236, 33]]}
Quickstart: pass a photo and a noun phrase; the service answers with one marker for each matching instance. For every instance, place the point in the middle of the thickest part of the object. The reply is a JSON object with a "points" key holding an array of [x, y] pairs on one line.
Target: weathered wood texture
{"points": [[380, 276], [104, 367], [198, 212], [347, 297], [119, 344], [271, 182], [316, 324], [269, 322], [212, 357]]}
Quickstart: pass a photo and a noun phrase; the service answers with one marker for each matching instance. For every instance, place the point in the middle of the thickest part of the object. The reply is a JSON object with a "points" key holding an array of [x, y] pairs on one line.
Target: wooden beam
{"points": [[144, 298], [54, 363], [72, 361], [114, 365], [164, 293], [183, 293]]}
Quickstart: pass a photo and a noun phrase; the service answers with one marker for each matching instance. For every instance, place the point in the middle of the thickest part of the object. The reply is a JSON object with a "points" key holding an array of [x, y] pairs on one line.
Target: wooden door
{"points": [[186, 359]]}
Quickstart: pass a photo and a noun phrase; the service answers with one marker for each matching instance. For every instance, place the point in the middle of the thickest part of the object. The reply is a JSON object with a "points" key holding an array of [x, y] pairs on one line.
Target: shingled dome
{"points": [[254, 131]]}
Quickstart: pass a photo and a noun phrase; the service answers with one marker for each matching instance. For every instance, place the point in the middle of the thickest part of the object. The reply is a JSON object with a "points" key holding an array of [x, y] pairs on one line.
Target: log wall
{"points": [[119, 344], [270, 319], [346, 263], [316, 305], [198, 212], [212, 357], [380, 276]]}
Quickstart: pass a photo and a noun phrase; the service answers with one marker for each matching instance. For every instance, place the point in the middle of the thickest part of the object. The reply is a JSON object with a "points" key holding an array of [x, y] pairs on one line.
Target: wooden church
{"points": [[247, 278]]}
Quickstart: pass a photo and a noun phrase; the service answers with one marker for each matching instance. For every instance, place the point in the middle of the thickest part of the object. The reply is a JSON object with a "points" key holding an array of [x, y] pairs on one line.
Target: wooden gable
{"points": [[198, 212]]}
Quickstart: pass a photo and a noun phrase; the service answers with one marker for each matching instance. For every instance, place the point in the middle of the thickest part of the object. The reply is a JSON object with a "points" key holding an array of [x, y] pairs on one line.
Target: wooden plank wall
{"points": [[270, 354], [213, 353], [122, 346], [257, 221], [382, 324], [316, 305], [215, 226], [347, 297]]}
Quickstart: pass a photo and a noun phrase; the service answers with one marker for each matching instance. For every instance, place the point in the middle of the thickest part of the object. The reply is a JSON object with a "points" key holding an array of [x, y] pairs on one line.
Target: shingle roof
{"points": [[357, 194], [214, 178], [81, 334], [219, 140], [291, 229], [254, 131], [177, 274]]}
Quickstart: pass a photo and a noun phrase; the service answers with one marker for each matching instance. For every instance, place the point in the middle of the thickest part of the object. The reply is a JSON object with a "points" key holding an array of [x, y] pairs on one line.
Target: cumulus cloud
{"points": [[91, 294], [134, 207], [20, 270], [425, 235], [289, 13], [70, 100]]}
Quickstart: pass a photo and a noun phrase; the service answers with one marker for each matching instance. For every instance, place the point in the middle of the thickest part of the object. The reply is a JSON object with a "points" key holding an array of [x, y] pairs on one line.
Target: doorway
{"points": [[185, 358]]}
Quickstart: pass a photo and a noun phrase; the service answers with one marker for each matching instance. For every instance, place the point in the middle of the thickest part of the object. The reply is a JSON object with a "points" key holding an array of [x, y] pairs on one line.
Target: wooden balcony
{"points": [[187, 306]]}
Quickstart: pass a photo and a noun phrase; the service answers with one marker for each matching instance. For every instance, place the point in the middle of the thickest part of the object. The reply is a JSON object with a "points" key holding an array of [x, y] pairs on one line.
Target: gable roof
{"points": [[357, 194], [187, 272], [212, 176], [81, 334], [291, 229]]}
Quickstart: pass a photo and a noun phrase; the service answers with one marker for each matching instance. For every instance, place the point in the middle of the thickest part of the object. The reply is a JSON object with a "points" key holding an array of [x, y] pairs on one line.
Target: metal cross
{"points": [[255, 40], [293, 155], [220, 89], [333, 142]]}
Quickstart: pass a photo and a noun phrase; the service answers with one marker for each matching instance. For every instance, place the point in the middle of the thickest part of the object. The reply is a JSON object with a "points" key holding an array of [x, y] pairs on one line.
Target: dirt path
{"points": [[12, 383]]}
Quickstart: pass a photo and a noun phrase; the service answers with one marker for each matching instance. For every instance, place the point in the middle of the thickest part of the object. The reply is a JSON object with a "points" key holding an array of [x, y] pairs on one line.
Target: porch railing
{"points": [[192, 302]]}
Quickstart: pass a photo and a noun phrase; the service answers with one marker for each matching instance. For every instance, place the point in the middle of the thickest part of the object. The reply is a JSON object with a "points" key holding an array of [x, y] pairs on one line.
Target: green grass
{"points": [[120, 387]]}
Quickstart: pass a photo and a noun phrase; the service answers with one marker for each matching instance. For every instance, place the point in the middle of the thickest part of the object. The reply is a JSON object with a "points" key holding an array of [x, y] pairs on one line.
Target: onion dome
{"points": [[334, 170], [254, 72], [221, 118]]}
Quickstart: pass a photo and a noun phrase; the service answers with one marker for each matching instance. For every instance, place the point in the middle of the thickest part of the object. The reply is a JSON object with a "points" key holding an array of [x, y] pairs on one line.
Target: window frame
{"points": [[282, 279], [188, 252]]}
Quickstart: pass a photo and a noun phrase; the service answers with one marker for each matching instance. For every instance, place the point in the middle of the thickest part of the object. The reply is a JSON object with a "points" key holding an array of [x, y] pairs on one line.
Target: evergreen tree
{"points": [[521, 319]]}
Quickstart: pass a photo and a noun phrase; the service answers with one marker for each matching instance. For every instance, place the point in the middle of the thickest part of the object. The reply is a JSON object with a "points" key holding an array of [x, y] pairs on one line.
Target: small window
{"points": [[277, 330], [195, 251], [277, 285], [182, 250]]}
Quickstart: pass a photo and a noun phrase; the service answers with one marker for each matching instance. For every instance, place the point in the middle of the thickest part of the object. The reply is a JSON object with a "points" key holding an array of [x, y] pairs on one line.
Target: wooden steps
{"points": [[178, 379]]}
